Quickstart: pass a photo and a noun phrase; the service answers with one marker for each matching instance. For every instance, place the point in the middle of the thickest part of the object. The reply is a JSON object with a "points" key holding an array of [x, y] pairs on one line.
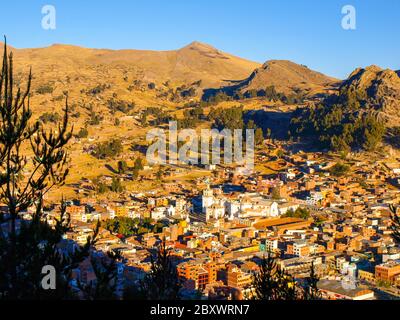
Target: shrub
{"points": [[50, 117], [44, 89], [108, 149]]}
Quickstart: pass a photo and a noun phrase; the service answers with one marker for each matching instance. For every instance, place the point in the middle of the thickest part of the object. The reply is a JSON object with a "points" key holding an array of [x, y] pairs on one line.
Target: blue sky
{"points": [[304, 31]]}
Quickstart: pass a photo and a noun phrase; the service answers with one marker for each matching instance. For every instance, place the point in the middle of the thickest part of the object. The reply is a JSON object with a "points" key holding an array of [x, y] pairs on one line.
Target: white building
{"points": [[251, 205], [286, 206], [111, 212], [158, 213], [207, 199], [271, 244], [216, 211]]}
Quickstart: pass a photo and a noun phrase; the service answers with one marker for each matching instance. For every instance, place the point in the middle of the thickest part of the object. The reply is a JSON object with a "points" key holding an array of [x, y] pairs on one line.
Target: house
{"points": [[338, 290]]}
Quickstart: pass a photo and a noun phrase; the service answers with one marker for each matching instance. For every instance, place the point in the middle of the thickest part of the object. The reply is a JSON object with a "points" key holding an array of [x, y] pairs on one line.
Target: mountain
{"points": [[285, 76], [194, 62], [377, 90], [363, 113]]}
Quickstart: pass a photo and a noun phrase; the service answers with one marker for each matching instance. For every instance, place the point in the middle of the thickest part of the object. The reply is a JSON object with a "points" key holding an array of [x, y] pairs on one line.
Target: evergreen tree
{"points": [[395, 226], [116, 185], [162, 282], [29, 245], [273, 283], [105, 269], [259, 137], [275, 194], [138, 164], [122, 167], [310, 290], [159, 174]]}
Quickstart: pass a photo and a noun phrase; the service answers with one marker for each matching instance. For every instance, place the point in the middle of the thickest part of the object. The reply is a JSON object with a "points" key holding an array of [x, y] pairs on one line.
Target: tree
{"points": [[302, 213], [160, 173], [272, 283], [100, 186], [310, 290], [280, 153], [275, 193], [339, 169], [108, 149], [269, 133], [44, 89], [49, 155], [122, 167], [138, 164], [373, 131], [105, 269], [82, 133], [259, 136], [135, 173], [395, 226], [116, 185], [29, 245], [231, 118], [251, 124], [50, 117], [162, 282], [339, 144]]}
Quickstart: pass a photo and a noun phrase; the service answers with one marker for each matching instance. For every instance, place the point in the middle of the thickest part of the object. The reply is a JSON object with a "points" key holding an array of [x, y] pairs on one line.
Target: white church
{"points": [[247, 205]]}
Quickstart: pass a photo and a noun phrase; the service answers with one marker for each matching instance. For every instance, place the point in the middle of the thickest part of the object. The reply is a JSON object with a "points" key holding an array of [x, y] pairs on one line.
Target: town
{"points": [[140, 161], [316, 211]]}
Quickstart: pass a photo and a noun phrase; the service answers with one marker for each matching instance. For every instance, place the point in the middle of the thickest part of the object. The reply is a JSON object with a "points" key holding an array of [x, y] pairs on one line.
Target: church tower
{"points": [[207, 199]]}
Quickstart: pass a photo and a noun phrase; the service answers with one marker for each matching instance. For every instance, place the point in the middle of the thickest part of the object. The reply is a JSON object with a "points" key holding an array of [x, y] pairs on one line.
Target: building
{"points": [[387, 271], [215, 211], [207, 199], [237, 278], [366, 276], [196, 275], [337, 290], [298, 248], [271, 244]]}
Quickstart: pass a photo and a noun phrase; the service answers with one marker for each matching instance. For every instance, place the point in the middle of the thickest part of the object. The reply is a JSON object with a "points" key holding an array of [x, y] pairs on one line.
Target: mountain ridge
{"points": [[193, 62]]}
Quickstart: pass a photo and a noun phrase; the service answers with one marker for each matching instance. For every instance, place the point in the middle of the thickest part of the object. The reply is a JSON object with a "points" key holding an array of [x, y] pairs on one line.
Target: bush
{"points": [[94, 119], [83, 133], [116, 185], [120, 105], [122, 167], [98, 89], [108, 149], [339, 170], [44, 89], [50, 117], [301, 213]]}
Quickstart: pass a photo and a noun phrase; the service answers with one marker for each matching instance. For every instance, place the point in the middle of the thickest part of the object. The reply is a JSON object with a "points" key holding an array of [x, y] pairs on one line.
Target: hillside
{"points": [[286, 77], [194, 62], [363, 111], [376, 90], [94, 77]]}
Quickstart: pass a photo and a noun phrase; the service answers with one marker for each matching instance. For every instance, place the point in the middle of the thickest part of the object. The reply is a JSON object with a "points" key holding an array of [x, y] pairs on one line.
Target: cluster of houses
{"points": [[220, 230]]}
